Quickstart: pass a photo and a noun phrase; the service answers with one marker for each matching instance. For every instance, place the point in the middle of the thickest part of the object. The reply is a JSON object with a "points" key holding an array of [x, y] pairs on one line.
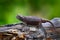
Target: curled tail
{"points": [[53, 27]]}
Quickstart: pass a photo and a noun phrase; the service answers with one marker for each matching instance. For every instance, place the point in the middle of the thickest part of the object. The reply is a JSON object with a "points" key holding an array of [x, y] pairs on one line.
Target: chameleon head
{"points": [[20, 17]]}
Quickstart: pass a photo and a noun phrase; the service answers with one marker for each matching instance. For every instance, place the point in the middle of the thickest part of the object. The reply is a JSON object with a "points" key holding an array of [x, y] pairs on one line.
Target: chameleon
{"points": [[32, 20]]}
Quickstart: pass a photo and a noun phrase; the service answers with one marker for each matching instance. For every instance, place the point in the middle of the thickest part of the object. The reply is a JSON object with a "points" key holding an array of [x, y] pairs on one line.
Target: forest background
{"points": [[48, 9]]}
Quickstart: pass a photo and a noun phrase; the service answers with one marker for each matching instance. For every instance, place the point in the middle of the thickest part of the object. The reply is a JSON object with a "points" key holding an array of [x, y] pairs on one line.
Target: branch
{"points": [[17, 28]]}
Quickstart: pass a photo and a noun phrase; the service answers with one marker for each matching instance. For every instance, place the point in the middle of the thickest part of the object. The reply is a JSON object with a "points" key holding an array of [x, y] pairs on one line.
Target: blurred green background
{"points": [[41, 8]]}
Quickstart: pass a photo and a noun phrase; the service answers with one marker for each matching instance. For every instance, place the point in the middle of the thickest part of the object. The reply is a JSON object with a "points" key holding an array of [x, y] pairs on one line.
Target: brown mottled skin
{"points": [[32, 20]]}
